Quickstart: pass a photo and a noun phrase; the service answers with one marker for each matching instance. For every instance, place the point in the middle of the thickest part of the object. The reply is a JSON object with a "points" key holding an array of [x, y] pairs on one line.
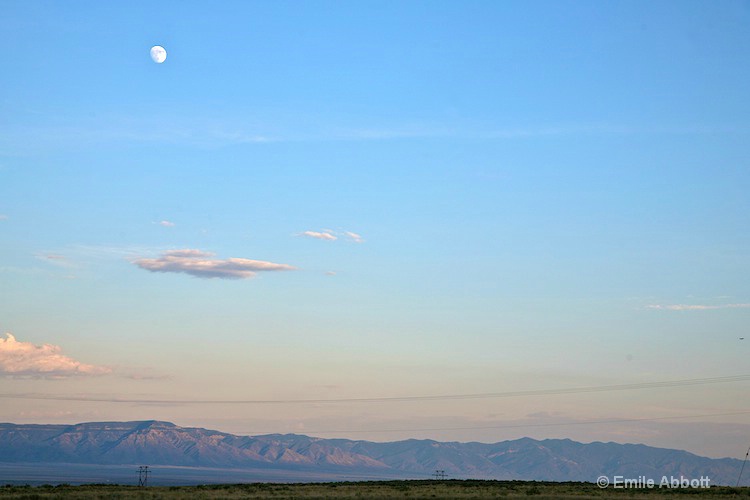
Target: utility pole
{"points": [[143, 473], [439, 474], [743, 467]]}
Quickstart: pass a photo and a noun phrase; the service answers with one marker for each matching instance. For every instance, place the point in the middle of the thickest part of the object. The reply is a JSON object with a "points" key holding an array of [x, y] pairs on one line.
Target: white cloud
{"points": [[320, 235], [199, 263], [354, 237], [3, 217], [696, 307], [331, 235], [26, 359], [166, 223]]}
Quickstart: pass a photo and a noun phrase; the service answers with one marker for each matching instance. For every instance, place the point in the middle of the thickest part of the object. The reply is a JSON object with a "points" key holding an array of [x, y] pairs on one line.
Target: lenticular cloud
{"points": [[199, 263], [46, 360]]}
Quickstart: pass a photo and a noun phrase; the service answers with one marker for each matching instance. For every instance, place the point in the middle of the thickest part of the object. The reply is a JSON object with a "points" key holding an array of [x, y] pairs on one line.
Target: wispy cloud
{"points": [[3, 217], [166, 223], [53, 256], [81, 256], [354, 237], [55, 259], [331, 235], [147, 376], [319, 235], [606, 129], [106, 252], [696, 307], [26, 359], [210, 132], [200, 264], [78, 132], [558, 130]]}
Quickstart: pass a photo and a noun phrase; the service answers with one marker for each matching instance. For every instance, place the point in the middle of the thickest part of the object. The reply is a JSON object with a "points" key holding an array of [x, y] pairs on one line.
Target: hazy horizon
{"points": [[379, 220]]}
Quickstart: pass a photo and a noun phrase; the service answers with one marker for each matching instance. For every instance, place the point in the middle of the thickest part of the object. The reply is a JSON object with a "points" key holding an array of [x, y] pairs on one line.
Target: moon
{"points": [[158, 54]]}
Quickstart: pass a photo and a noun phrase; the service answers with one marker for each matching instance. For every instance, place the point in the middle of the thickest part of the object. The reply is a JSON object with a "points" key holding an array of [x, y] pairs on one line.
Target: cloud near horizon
{"points": [[696, 307], [24, 359], [200, 264]]}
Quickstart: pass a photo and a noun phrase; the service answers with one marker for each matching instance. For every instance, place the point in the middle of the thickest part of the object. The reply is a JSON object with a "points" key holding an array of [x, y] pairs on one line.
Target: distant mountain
{"points": [[164, 443]]}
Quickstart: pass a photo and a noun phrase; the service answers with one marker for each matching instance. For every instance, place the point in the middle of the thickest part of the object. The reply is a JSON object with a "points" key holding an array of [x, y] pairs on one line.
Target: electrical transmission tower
{"points": [[440, 474], [143, 473]]}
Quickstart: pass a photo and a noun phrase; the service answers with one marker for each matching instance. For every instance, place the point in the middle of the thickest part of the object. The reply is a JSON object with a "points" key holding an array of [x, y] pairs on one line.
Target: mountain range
{"points": [[158, 443]]}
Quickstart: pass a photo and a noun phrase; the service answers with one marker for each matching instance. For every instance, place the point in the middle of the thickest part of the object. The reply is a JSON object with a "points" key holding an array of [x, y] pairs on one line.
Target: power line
{"points": [[444, 397]]}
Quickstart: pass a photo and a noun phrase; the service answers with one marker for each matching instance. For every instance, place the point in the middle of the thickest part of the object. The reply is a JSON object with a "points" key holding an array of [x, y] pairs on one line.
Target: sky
{"points": [[315, 215]]}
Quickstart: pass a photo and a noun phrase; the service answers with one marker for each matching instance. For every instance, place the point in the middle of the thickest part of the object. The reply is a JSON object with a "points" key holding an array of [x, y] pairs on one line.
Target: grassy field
{"points": [[374, 489]]}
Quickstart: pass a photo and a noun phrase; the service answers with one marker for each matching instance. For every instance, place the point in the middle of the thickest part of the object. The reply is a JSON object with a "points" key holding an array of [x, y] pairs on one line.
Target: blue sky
{"points": [[517, 196]]}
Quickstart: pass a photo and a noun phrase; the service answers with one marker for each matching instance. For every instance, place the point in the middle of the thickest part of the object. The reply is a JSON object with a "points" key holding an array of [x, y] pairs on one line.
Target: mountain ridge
{"points": [[164, 443]]}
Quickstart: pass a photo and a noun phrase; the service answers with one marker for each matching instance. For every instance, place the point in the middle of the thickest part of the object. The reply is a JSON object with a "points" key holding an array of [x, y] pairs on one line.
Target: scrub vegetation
{"points": [[370, 489]]}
